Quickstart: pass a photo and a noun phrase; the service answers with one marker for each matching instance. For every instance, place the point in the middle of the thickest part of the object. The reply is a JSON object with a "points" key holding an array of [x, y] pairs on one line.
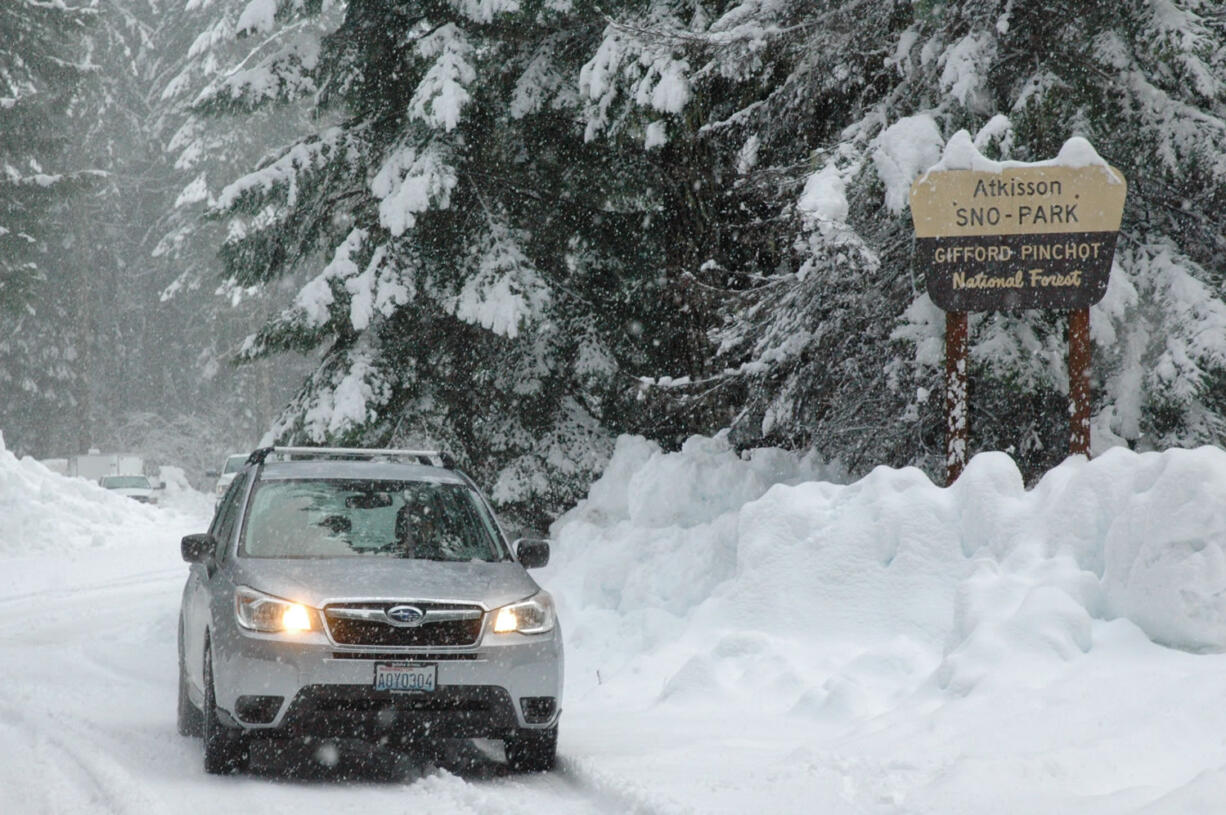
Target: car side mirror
{"points": [[211, 474], [198, 548], [532, 553]]}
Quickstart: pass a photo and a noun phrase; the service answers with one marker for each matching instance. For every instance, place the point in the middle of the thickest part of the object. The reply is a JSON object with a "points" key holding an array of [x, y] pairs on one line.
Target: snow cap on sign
{"points": [[962, 154]]}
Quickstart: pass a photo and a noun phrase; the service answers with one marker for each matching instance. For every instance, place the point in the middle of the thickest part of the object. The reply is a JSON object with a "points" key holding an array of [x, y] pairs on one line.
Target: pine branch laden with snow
{"points": [[283, 76], [504, 291], [442, 94], [410, 182]]}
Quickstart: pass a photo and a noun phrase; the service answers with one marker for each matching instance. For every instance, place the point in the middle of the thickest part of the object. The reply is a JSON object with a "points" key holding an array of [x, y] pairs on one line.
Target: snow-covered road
{"points": [[87, 716], [732, 646]]}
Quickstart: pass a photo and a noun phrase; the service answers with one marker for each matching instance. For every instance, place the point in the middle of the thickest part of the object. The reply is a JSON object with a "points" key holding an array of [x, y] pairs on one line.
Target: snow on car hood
{"points": [[132, 492], [318, 581]]}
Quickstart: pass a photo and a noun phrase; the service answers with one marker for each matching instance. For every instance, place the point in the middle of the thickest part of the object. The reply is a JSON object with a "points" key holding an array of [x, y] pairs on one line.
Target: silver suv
{"points": [[365, 594]]}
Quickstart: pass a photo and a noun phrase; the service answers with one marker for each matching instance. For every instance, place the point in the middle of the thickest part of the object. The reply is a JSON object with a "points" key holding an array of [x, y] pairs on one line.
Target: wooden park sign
{"points": [[1000, 236], [1025, 237]]}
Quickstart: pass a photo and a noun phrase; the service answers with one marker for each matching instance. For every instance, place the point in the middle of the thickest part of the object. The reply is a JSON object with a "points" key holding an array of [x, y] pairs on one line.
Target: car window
{"points": [[227, 513], [320, 518], [118, 482], [234, 464]]}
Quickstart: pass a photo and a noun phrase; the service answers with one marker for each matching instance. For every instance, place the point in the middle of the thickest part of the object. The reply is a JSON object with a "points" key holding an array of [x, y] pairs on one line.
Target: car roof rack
{"points": [[431, 458]]}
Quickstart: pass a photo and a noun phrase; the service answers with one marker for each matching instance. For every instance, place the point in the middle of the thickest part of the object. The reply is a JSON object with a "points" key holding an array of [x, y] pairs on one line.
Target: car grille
{"points": [[429, 703], [346, 630], [392, 656]]}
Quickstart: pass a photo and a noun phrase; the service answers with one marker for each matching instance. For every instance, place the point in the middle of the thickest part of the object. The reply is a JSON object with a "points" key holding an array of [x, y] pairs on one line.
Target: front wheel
{"points": [[532, 751], [225, 750]]}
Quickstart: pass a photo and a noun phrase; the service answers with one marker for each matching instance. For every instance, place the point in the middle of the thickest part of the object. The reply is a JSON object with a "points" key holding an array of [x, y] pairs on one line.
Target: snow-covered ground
{"points": [[741, 635]]}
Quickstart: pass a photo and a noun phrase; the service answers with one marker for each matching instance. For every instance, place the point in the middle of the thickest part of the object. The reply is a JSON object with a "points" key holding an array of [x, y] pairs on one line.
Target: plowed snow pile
{"points": [[62, 526], [44, 511], [741, 589]]}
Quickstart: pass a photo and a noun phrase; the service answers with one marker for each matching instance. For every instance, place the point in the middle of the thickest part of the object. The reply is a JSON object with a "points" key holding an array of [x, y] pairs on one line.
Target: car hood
{"points": [[319, 581]]}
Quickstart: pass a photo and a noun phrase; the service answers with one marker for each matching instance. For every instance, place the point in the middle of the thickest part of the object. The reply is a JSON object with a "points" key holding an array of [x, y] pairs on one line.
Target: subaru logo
{"points": [[405, 615]]}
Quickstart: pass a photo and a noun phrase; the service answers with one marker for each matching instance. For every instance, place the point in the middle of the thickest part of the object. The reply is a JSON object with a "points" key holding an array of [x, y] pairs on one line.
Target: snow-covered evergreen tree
{"points": [[480, 277], [40, 69]]}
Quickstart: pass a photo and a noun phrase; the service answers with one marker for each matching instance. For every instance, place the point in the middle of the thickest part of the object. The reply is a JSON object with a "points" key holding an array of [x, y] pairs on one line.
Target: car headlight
{"points": [[258, 611], [535, 615]]}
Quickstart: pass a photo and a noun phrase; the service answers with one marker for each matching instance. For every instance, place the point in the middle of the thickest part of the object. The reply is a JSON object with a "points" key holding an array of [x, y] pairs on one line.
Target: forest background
{"points": [[518, 228]]}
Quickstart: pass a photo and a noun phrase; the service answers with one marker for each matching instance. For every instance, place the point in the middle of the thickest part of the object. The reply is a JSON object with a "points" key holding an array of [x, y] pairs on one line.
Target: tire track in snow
{"points": [[88, 780], [610, 793], [89, 590], [457, 777], [76, 690], [54, 616]]}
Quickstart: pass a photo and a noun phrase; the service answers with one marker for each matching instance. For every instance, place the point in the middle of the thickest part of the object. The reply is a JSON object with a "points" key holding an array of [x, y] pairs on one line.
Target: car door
{"points": [[197, 596]]}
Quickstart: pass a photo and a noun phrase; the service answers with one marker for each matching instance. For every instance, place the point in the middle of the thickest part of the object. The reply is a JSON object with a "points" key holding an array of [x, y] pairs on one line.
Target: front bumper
{"points": [[355, 711], [307, 685]]}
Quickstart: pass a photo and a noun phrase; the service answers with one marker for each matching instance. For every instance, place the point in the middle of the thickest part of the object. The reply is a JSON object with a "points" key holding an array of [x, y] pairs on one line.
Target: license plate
{"points": [[405, 677]]}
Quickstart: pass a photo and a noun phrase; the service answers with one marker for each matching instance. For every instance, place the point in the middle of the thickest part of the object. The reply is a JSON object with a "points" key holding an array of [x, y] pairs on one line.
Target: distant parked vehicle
{"points": [[232, 467], [136, 487]]}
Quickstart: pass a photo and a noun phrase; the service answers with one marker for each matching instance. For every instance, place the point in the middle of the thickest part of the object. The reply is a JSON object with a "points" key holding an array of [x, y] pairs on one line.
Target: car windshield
{"points": [[234, 464], [318, 518], [119, 482]]}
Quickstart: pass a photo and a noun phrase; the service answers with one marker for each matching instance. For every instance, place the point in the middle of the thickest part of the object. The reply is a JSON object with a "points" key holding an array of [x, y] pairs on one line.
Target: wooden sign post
{"points": [[1079, 381], [957, 418], [999, 236]]}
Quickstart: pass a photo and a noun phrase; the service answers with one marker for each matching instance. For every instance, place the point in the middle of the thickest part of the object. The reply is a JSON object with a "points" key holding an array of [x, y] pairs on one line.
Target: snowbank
{"points": [[660, 530], [179, 495], [728, 562], [45, 512]]}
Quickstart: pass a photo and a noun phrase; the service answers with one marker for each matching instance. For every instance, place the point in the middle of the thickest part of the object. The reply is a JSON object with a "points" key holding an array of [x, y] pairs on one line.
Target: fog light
{"points": [[538, 709], [257, 709]]}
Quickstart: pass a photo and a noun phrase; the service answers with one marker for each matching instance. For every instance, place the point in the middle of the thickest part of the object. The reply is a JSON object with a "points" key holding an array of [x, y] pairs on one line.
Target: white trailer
{"points": [[94, 465]]}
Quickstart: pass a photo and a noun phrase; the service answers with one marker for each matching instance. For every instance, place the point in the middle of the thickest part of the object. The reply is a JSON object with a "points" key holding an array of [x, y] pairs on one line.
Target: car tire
{"points": [[532, 751], [190, 719], [225, 750]]}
